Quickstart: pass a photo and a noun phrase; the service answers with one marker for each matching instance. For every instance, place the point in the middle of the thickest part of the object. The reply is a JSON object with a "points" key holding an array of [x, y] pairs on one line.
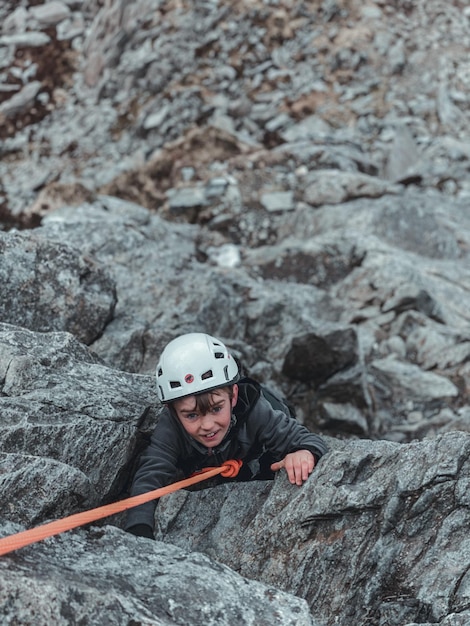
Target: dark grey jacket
{"points": [[256, 429]]}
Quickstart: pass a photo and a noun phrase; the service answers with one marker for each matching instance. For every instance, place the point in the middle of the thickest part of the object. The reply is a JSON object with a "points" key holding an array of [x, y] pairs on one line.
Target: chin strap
{"points": [[229, 469]]}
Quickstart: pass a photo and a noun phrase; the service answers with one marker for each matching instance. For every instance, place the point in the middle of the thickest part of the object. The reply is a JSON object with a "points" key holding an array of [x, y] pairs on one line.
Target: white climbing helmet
{"points": [[192, 364]]}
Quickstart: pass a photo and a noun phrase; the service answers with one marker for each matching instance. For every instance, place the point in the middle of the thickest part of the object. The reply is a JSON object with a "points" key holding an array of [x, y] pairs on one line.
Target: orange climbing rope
{"points": [[229, 469]]}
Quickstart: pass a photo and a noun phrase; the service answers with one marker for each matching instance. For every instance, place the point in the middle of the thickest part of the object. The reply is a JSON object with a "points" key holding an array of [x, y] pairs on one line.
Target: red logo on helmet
{"points": [[189, 378]]}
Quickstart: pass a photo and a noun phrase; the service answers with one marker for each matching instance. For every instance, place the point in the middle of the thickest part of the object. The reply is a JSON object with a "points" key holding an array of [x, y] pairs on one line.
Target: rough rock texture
{"points": [[49, 286], [69, 424], [377, 535], [106, 577], [293, 178]]}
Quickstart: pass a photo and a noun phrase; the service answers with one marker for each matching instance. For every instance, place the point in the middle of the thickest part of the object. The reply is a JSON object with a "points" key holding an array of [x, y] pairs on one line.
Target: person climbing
{"points": [[210, 415]]}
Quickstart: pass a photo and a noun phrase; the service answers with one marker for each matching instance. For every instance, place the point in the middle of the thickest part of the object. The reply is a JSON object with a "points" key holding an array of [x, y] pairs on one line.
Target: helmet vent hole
{"points": [[207, 375], [160, 371], [174, 384]]}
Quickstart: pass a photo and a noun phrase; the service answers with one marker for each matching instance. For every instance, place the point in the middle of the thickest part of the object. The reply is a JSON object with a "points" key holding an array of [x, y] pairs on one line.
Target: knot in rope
{"points": [[231, 468]]}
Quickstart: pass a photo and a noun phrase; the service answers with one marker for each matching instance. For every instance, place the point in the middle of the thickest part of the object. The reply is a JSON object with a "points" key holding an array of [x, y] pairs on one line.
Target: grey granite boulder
{"points": [[378, 534], [47, 286], [69, 427], [106, 576]]}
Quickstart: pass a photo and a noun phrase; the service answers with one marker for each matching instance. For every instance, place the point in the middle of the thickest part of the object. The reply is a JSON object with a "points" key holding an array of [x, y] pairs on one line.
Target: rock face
{"points": [[48, 286], [69, 424], [292, 178], [378, 534], [107, 578]]}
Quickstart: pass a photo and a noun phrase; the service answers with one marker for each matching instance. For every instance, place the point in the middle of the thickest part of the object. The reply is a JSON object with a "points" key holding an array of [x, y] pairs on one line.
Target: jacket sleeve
{"points": [[157, 468], [281, 434]]}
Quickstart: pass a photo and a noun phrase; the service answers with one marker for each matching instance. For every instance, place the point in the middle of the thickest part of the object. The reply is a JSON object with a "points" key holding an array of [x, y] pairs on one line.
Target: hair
{"points": [[205, 401]]}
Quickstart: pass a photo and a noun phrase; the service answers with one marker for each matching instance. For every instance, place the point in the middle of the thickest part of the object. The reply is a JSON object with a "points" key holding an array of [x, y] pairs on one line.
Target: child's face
{"points": [[210, 428]]}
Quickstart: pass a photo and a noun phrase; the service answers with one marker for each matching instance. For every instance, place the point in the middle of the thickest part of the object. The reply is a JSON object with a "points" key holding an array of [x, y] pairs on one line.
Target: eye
{"points": [[216, 409], [191, 416]]}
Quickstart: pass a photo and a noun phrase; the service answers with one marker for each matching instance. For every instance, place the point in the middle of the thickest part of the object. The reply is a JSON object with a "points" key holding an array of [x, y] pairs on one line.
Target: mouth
{"points": [[210, 436]]}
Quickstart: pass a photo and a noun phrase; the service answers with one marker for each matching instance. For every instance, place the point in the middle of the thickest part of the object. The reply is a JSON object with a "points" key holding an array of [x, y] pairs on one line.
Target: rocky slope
{"points": [[293, 178]]}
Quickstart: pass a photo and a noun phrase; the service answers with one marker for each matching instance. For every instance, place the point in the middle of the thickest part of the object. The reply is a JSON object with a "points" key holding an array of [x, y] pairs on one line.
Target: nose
{"points": [[207, 422]]}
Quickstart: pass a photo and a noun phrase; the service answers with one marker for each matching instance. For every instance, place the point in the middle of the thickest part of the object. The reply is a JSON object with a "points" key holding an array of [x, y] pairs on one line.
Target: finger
{"points": [[294, 471], [275, 467], [302, 467], [307, 466], [293, 465]]}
